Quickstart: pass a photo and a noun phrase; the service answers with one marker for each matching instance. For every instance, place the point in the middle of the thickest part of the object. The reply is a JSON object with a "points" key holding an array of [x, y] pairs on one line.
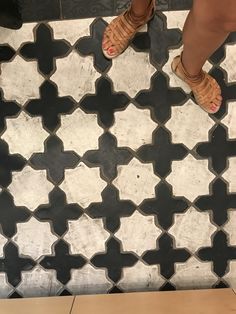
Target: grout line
{"points": [[72, 305], [60, 6]]}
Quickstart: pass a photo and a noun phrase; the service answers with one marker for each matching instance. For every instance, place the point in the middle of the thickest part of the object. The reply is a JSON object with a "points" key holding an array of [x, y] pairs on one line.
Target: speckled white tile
{"points": [[192, 274], [26, 78], [135, 122], [190, 177], [137, 74], [141, 277], [183, 129], [230, 227], [229, 174], [39, 283], [30, 188], [38, 245], [75, 76], [136, 239], [229, 119], [6, 288], [229, 62], [3, 241], [86, 134], [136, 181], [88, 280], [24, 129], [86, 236], [192, 229], [83, 185]]}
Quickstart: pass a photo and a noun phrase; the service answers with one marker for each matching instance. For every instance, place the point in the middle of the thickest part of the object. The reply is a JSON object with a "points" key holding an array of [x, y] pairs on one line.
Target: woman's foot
{"points": [[122, 30], [206, 90]]}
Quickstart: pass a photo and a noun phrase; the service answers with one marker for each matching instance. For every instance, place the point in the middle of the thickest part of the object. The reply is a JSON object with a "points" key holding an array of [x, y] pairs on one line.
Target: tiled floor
{"points": [[111, 178]]}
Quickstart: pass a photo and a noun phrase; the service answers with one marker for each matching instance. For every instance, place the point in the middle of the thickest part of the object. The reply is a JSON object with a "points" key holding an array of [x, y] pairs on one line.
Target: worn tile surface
{"points": [[111, 177]]}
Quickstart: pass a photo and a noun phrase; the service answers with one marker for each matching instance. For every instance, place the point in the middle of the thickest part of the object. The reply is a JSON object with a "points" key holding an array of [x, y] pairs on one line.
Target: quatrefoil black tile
{"points": [[55, 160], [219, 202], [114, 260], [105, 102], [50, 106], [166, 256], [6, 53], [63, 261], [162, 152], [45, 49], [92, 45], [218, 149], [58, 212], [12, 264], [111, 209], [10, 214], [7, 109], [158, 40], [108, 157], [8, 163], [164, 206], [219, 254], [160, 97]]}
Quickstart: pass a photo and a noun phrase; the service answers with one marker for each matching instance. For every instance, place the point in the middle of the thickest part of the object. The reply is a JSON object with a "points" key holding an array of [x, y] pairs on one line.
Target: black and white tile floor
{"points": [[111, 178]]}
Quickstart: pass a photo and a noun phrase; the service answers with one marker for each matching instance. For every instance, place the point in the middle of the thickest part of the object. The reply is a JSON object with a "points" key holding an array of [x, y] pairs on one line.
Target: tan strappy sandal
{"points": [[205, 89], [120, 32]]}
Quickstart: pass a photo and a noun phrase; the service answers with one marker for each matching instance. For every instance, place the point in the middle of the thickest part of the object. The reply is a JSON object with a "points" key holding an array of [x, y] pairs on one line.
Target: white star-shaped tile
{"points": [[141, 277], [183, 129], [190, 177], [229, 62], [176, 19], [39, 283], [25, 135], [192, 229], [5, 287], [30, 188], [20, 80], [75, 76], [136, 239], [229, 120], [3, 241], [230, 227], [230, 277], [131, 72], [136, 181], [86, 236], [83, 185], [88, 280], [193, 274], [229, 174], [71, 30], [37, 245], [84, 136], [135, 122]]}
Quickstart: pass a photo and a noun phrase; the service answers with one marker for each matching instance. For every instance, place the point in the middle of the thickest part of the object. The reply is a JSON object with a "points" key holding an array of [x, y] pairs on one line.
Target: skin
{"points": [[207, 26]]}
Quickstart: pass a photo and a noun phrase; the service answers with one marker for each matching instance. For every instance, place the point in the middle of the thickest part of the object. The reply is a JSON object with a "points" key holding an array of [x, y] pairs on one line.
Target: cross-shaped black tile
{"points": [[58, 212], [219, 202], [160, 97], [219, 254], [13, 265], [55, 160], [111, 208], [162, 152], [158, 40], [45, 49], [113, 260], [7, 109], [10, 214], [63, 262], [8, 163], [6, 53], [108, 157], [105, 102], [93, 45], [218, 149], [50, 106], [166, 256], [164, 205]]}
